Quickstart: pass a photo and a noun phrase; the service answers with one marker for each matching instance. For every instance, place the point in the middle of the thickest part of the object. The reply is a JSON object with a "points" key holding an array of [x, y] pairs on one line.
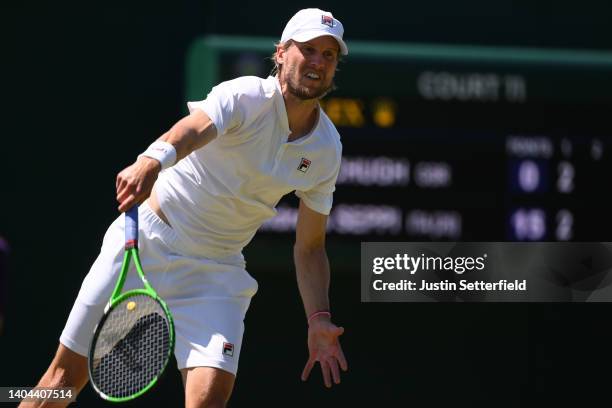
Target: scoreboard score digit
{"points": [[453, 143]]}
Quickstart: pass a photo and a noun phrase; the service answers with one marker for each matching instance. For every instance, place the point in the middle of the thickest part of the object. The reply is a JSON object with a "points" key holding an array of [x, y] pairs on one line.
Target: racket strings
{"points": [[132, 347]]}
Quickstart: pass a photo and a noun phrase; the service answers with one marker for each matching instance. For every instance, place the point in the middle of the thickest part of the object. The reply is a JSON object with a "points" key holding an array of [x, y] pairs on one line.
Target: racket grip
{"points": [[131, 228]]}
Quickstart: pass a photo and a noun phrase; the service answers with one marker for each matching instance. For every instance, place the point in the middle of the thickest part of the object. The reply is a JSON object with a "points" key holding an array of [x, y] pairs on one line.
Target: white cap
{"points": [[311, 23]]}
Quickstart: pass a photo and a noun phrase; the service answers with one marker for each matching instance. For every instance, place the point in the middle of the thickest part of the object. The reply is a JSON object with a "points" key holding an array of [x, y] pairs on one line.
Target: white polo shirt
{"points": [[217, 197]]}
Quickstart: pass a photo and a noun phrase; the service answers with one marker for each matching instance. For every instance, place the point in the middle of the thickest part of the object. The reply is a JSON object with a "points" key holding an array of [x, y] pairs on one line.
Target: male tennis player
{"points": [[206, 186]]}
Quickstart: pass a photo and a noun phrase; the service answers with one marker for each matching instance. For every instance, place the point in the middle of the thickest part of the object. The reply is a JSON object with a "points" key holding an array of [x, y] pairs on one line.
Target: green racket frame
{"points": [[131, 254]]}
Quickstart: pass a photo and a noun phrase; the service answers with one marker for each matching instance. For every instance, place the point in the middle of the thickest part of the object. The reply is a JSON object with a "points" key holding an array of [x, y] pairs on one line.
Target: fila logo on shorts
{"points": [[228, 349], [327, 20], [304, 165]]}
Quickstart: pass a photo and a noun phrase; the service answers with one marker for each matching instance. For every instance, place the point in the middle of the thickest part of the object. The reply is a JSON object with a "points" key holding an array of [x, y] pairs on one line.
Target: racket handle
{"points": [[131, 228]]}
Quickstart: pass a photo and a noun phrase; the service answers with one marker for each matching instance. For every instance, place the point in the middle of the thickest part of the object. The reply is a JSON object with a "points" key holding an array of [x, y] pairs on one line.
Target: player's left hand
{"points": [[324, 347]]}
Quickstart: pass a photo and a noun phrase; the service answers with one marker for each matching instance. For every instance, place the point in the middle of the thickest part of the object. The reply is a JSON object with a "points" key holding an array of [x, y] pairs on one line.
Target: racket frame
{"points": [[131, 253]]}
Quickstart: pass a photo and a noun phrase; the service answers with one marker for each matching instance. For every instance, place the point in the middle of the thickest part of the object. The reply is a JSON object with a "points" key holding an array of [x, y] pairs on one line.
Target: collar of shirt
{"points": [[282, 114]]}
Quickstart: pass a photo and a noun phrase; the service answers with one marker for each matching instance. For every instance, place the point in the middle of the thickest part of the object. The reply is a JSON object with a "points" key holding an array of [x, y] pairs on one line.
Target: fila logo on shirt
{"points": [[228, 349], [304, 165]]}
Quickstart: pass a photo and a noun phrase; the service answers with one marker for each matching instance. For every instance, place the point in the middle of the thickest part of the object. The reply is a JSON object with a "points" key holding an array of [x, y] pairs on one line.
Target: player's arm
{"points": [[135, 182], [190, 133], [313, 276]]}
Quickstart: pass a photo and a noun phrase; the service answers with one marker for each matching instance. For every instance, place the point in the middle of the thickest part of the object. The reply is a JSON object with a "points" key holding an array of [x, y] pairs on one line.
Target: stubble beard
{"points": [[303, 92]]}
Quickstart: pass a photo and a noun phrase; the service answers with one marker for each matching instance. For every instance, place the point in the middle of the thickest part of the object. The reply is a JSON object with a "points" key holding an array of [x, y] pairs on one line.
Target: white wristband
{"points": [[161, 151]]}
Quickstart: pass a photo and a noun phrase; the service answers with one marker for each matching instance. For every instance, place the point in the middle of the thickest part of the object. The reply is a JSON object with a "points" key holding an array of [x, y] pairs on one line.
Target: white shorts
{"points": [[208, 298]]}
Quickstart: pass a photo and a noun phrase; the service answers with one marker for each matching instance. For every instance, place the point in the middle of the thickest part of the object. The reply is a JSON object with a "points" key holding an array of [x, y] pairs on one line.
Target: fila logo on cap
{"points": [[228, 349], [304, 165], [327, 20]]}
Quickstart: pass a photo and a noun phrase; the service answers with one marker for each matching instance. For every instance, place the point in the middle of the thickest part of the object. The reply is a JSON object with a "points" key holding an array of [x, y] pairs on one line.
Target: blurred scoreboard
{"points": [[453, 143]]}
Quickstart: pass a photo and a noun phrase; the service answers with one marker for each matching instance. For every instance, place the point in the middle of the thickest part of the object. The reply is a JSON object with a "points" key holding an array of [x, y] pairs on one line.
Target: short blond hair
{"points": [[277, 66]]}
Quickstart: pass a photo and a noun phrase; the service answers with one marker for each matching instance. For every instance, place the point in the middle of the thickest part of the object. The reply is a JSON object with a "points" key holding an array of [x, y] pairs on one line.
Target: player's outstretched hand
{"points": [[134, 183], [324, 347]]}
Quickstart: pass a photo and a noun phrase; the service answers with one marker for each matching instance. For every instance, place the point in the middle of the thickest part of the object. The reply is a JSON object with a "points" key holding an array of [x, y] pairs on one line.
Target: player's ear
{"points": [[281, 49]]}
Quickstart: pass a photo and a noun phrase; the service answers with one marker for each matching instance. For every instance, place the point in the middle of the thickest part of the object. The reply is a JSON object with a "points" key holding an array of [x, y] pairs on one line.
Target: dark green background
{"points": [[86, 86]]}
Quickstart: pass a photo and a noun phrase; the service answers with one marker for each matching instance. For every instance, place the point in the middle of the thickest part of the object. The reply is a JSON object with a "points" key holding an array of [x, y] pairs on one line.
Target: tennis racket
{"points": [[134, 340]]}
